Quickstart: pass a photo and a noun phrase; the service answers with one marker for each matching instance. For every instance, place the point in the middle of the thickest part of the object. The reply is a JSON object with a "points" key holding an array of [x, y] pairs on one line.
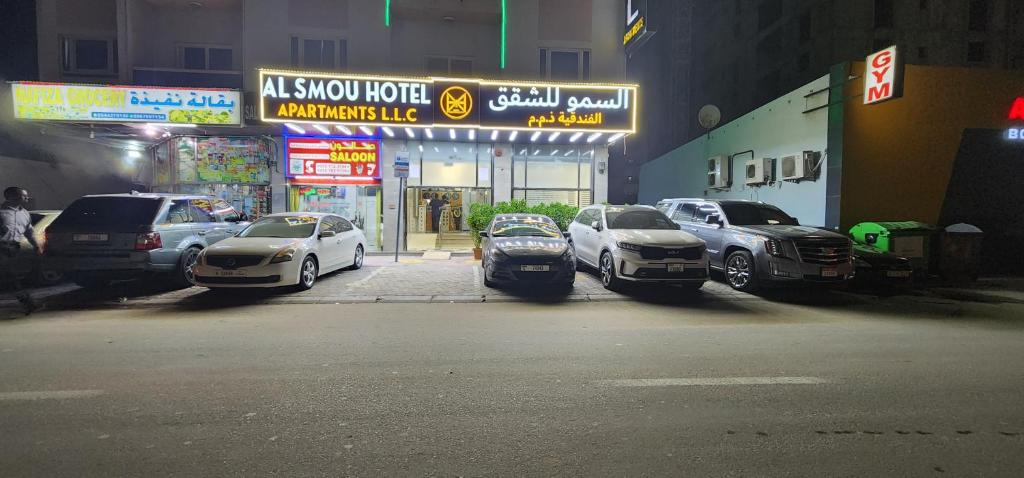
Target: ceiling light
{"points": [[151, 131], [366, 130], [522, 151], [534, 136], [554, 152], [570, 152], [134, 154], [430, 133], [536, 152], [615, 137], [322, 129], [593, 137], [512, 135], [554, 136], [421, 147], [494, 135], [409, 132], [388, 131], [344, 129], [488, 150], [451, 133], [455, 148], [436, 150], [472, 135], [575, 136], [296, 128]]}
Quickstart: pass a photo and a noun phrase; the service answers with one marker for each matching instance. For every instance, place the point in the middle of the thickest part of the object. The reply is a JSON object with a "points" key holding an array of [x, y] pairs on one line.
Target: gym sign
{"points": [[1016, 114], [323, 98]]}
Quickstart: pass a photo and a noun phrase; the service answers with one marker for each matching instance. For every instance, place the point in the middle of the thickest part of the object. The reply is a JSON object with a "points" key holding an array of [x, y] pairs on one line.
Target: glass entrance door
{"points": [[437, 217]]}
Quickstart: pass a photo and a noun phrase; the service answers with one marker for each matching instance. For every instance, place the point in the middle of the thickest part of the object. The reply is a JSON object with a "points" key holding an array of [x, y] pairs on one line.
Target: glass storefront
{"points": [[359, 204], [556, 173]]}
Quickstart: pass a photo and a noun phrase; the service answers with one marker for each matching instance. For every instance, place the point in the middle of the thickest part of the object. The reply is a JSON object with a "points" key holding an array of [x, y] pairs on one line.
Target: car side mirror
{"points": [[484, 234], [328, 234], [596, 225], [714, 219]]}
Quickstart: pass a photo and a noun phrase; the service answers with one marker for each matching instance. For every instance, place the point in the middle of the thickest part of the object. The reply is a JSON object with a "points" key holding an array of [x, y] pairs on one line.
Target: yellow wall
{"points": [[898, 156]]}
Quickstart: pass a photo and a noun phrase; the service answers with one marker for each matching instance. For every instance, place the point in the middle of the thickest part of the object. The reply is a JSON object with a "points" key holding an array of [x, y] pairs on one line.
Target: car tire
{"points": [[89, 281], [184, 275], [47, 277], [488, 283], [357, 261], [607, 272], [740, 272], [307, 273]]}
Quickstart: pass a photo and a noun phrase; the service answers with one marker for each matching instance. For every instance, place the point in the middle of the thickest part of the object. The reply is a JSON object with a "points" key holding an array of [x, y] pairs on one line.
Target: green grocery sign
{"points": [[125, 104]]}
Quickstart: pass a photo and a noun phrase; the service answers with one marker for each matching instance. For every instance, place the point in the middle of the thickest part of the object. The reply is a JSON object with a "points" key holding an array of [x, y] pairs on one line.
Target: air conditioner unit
{"points": [[719, 172], [797, 166], [760, 171]]}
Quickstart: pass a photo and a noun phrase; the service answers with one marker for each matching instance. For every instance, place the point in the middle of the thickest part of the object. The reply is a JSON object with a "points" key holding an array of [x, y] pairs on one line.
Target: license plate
{"points": [[676, 267], [89, 238], [535, 268], [231, 273], [898, 274], [829, 273]]}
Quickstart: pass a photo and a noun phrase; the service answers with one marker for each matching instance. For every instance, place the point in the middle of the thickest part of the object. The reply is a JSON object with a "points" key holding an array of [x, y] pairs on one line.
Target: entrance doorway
{"points": [[437, 217]]}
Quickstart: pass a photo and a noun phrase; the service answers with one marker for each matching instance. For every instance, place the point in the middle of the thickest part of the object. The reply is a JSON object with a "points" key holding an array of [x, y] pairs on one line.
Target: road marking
{"points": [[49, 394], [369, 276], [716, 381]]}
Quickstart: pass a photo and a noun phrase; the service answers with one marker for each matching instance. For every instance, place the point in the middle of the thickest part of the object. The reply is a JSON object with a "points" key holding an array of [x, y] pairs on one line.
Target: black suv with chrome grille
{"points": [[757, 244]]}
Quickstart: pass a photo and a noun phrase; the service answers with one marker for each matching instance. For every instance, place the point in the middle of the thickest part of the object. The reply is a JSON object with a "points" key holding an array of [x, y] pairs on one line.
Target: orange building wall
{"points": [[898, 156]]}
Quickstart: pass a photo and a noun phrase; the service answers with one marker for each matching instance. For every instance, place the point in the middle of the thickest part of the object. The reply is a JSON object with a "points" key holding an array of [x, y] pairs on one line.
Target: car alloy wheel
{"points": [[188, 266], [307, 275], [358, 261], [737, 271], [607, 269]]}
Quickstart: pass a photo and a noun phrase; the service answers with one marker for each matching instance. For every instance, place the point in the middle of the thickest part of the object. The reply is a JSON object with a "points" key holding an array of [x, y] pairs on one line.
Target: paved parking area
{"points": [[412, 279]]}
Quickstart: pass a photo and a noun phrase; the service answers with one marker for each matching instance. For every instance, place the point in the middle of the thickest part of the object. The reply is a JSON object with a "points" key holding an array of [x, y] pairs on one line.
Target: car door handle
{"points": [[201, 233]]}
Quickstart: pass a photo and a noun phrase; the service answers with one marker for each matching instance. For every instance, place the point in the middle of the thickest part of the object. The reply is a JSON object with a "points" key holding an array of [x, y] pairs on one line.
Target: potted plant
{"points": [[480, 216]]}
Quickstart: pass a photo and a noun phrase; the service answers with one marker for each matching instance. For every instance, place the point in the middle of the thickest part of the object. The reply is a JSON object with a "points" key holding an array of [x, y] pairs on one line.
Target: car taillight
{"points": [[147, 241]]}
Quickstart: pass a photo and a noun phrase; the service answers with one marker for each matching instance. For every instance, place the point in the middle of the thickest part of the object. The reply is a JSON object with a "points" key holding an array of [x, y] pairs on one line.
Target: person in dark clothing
{"points": [[15, 227], [435, 212]]}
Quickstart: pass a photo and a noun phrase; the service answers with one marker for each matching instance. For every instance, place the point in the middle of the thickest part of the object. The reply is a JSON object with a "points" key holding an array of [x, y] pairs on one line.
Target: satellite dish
{"points": [[709, 116]]}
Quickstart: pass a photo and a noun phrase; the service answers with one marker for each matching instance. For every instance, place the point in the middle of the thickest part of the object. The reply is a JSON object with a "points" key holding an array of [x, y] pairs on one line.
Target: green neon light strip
{"points": [[387, 13], [503, 31]]}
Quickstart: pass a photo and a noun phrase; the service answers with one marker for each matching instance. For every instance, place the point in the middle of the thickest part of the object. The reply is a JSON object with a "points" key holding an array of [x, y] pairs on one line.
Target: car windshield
{"points": [[292, 227], [756, 215], [107, 213], [619, 218], [525, 227]]}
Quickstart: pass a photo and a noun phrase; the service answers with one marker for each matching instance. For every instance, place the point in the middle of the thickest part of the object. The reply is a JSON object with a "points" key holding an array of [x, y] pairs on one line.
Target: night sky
{"points": [[18, 40]]}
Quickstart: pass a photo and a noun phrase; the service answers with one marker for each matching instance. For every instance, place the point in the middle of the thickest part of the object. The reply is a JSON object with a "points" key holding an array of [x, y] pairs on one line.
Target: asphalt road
{"points": [[621, 388]]}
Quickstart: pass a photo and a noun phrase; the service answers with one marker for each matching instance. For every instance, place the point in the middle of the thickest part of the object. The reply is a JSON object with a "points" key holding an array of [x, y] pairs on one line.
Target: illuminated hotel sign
{"points": [[332, 160], [883, 76], [292, 97], [637, 30], [1016, 113], [126, 104]]}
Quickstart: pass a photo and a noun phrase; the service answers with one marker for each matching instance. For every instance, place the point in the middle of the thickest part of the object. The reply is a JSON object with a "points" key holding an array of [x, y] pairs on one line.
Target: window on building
{"points": [[204, 57], [89, 56], [977, 16], [883, 13], [768, 13], [443, 66], [319, 53], [976, 51], [565, 64], [553, 173]]}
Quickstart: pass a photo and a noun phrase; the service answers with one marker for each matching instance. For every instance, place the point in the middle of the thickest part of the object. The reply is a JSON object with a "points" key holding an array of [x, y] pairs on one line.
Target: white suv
{"points": [[637, 244]]}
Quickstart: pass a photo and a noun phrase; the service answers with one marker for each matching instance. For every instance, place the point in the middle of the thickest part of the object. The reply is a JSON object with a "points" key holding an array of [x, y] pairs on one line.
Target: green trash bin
{"points": [[910, 239]]}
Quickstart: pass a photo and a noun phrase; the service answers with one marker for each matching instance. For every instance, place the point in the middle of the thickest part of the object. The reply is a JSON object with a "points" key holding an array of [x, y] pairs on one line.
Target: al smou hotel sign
{"points": [[324, 98]]}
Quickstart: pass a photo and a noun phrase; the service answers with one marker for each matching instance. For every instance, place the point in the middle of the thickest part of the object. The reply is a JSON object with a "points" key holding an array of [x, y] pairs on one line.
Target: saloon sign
{"points": [[290, 97], [883, 76], [333, 160]]}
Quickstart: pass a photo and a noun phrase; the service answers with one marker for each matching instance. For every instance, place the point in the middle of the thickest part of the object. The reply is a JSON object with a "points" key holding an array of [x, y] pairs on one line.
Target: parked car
{"points": [[526, 248], [108, 237], [881, 270], [758, 244], [287, 249], [637, 244]]}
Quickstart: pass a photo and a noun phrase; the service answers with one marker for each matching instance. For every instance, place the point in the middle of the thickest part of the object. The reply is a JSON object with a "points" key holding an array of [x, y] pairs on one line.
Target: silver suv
{"points": [[102, 238], [757, 244]]}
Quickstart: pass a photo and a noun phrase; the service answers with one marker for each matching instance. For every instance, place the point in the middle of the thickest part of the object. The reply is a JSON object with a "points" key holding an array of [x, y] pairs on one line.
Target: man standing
{"points": [[16, 226]]}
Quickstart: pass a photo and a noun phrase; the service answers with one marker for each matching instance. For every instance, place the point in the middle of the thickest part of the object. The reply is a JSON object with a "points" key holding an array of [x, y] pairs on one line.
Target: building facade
{"points": [[741, 54], [224, 43]]}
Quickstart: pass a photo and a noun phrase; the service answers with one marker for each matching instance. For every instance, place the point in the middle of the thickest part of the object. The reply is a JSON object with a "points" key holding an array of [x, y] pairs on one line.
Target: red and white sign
{"points": [[333, 160], [883, 76]]}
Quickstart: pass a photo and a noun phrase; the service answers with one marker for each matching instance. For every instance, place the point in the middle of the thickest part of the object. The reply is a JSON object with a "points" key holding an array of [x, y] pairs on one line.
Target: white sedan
{"points": [[287, 249]]}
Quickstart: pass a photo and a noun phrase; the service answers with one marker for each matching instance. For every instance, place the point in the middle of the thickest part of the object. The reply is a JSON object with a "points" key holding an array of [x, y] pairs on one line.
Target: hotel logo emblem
{"points": [[456, 102]]}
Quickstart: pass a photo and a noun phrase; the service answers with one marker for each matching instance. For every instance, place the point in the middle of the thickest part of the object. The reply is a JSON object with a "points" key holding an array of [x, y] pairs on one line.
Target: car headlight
{"points": [[774, 247], [499, 254], [629, 246], [284, 255]]}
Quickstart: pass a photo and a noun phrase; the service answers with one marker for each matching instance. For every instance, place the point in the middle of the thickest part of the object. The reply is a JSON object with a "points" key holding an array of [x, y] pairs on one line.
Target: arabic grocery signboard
{"points": [[125, 104], [333, 160], [293, 97]]}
